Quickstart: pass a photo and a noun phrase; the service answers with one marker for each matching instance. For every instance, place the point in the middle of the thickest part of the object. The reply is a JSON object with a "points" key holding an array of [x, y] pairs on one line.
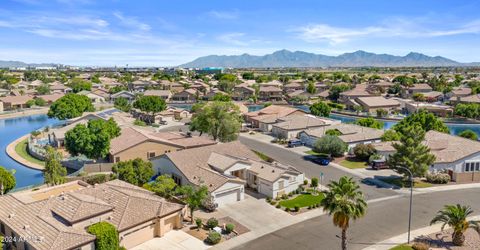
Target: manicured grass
{"points": [[405, 183], [310, 152], [303, 200], [263, 156], [21, 149], [353, 164], [402, 247]]}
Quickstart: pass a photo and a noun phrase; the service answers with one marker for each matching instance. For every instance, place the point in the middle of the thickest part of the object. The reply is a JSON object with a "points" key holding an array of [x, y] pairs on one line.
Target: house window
{"points": [[280, 185], [177, 179], [150, 154], [117, 159], [477, 166], [467, 167]]}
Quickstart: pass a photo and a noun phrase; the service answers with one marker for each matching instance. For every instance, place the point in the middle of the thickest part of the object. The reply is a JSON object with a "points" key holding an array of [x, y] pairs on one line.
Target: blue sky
{"points": [[166, 33]]}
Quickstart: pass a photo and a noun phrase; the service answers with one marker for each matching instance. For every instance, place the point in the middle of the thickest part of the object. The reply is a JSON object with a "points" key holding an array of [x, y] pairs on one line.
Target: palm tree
{"points": [[455, 216], [344, 201]]}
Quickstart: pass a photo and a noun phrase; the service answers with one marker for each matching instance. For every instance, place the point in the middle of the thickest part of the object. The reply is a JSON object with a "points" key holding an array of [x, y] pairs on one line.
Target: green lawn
{"points": [[21, 149], [402, 247], [263, 156], [353, 164], [310, 152], [405, 183], [303, 200]]}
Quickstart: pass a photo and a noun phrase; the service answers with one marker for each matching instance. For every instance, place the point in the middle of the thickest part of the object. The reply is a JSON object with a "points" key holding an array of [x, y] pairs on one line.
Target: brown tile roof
{"points": [[450, 148], [193, 163], [269, 89], [359, 90], [462, 91], [470, 98], [350, 132], [377, 101], [50, 98], [296, 122], [157, 92], [16, 100], [421, 86]]}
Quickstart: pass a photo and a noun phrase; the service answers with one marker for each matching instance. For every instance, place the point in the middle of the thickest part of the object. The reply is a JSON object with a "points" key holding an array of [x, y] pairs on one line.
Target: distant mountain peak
{"points": [[287, 58]]}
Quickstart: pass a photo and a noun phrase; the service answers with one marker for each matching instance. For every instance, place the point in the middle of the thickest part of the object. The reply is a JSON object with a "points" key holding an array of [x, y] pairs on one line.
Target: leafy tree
{"points": [[395, 89], [381, 113], [226, 86], [469, 134], [335, 90], [358, 109], [78, 84], [330, 144], [405, 80], [467, 110], [106, 236], [54, 173], [150, 104], [164, 186], [334, 132], [122, 104], [456, 216], [194, 196], [221, 97], [311, 88], [43, 89], [117, 89], [92, 140], [314, 184], [7, 180], [369, 122], [40, 102], [424, 119], [248, 76], [364, 151], [411, 153], [30, 103], [70, 106], [320, 109], [419, 97], [390, 135], [221, 120], [136, 172], [344, 201]]}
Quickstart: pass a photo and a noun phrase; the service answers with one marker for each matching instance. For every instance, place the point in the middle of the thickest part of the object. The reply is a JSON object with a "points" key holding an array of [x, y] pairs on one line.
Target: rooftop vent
{"points": [[273, 171], [11, 215], [26, 227], [262, 167]]}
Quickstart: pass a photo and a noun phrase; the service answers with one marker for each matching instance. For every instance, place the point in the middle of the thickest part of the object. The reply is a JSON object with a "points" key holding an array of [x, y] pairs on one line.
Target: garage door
{"points": [[227, 197], [138, 237]]}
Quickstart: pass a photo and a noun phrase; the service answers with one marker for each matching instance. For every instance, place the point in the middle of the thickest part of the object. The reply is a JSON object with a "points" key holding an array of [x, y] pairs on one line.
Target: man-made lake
{"points": [[12, 128]]}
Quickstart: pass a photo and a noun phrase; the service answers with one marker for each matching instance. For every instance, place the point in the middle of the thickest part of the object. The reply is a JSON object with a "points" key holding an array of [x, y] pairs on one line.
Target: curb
{"points": [[10, 150]]}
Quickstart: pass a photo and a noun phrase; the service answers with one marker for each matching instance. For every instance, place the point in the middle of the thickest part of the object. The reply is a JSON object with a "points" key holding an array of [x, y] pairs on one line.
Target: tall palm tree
{"points": [[344, 201], [455, 216]]}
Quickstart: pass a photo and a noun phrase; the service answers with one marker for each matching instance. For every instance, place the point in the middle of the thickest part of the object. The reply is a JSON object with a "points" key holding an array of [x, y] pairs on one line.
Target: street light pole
{"points": [[411, 198]]}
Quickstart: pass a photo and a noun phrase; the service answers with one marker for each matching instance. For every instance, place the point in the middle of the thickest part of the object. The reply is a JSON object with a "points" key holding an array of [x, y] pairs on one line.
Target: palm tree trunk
{"points": [[458, 238], [344, 239]]}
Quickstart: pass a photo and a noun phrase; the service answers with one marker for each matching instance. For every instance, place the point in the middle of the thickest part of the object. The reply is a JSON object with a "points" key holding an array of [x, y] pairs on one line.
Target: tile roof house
{"points": [[187, 95], [164, 94], [50, 98], [469, 99], [360, 90], [242, 92], [373, 103], [267, 116], [416, 88], [270, 93], [57, 217], [225, 169], [288, 127], [15, 102]]}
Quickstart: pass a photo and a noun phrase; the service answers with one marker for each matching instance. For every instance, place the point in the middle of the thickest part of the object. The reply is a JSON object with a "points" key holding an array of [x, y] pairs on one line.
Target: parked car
{"points": [[294, 143], [324, 161], [379, 164]]}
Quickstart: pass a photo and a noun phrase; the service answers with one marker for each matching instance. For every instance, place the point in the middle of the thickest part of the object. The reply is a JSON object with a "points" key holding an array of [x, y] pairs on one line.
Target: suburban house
{"points": [[266, 117], [458, 156], [288, 127], [373, 103], [95, 98], [437, 109], [57, 217], [226, 169], [140, 86], [242, 92], [102, 92], [469, 99], [164, 94], [459, 92], [270, 93], [50, 98], [293, 86], [416, 88], [360, 90], [15, 102], [4, 92], [60, 88], [211, 93], [139, 143], [124, 94], [187, 95], [351, 134]]}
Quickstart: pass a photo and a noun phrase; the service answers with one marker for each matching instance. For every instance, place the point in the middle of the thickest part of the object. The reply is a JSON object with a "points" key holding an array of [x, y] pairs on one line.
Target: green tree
{"points": [[369, 122], [221, 120], [78, 84], [469, 134], [54, 173], [150, 104], [92, 140], [163, 185], [330, 144], [334, 132], [456, 218], [70, 106], [424, 119], [320, 109], [40, 102], [136, 171], [381, 113], [106, 236], [43, 89], [248, 76], [390, 135], [122, 104], [311, 88], [467, 110], [419, 97], [226, 86], [221, 97], [335, 90], [7, 180], [364, 151], [344, 201], [194, 196], [411, 153]]}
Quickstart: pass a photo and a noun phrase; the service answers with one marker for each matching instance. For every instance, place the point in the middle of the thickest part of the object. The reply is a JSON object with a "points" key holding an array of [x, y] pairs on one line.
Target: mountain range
{"points": [[286, 58], [19, 64]]}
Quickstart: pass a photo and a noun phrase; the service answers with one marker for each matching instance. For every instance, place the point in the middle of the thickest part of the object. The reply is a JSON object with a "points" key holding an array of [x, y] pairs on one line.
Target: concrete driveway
{"points": [[173, 240]]}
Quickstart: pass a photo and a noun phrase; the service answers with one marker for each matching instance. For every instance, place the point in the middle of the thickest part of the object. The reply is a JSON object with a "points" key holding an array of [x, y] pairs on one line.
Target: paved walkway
{"points": [[13, 154], [403, 238], [173, 240]]}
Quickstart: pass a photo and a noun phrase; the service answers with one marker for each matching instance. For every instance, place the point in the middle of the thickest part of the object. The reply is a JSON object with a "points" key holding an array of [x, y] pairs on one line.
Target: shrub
{"points": [[290, 194], [287, 209], [330, 144], [96, 179], [438, 178], [420, 246], [212, 222], [198, 222], [268, 199], [305, 182], [364, 151], [278, 206], [374, 157], [229, 228], [35, 133], [106, 235], [296, 208], [314, 182], [284, 196], [273, 203], [139, 123], [213, 238]]}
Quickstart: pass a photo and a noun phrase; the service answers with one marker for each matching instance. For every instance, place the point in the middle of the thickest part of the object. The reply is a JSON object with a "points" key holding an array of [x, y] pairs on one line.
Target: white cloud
{"points": [[393, 28], [132, 22], [233, 38], [223, 14]]}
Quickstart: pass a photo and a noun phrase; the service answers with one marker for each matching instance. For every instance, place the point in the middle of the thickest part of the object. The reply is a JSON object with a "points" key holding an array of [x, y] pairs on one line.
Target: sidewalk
{"points": [[401, 239], [10, 150]]}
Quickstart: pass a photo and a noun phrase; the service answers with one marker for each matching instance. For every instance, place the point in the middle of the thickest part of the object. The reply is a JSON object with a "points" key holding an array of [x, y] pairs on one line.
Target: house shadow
{"points": [[379, 181]]}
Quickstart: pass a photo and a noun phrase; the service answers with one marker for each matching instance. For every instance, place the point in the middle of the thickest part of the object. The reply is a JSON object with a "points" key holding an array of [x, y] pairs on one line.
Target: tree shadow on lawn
{"points": [[379, 181]]}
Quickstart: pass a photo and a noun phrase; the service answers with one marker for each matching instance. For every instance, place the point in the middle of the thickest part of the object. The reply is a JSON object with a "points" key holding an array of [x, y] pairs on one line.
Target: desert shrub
{"points": [[284, 196], [290, 194], [213, 238], [278, 206], [374, 157], [438, 178], [198, 222], [305, 182], [273, 203], [296, 208], [96, 179], [364, 151], [420, 246], [106, 236], [268, 199], [212, 222], [287, 209], [229, 228]]}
